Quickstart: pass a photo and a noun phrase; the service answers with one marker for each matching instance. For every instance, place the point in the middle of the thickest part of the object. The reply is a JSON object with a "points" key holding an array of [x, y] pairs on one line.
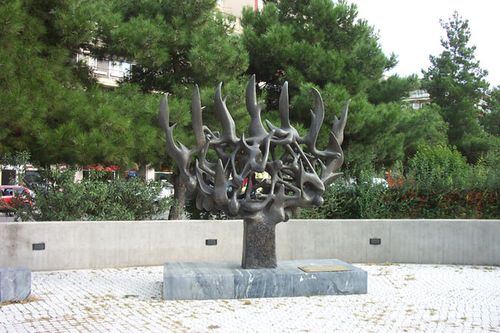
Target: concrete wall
{"points": [[71, 245], [470, 242]]}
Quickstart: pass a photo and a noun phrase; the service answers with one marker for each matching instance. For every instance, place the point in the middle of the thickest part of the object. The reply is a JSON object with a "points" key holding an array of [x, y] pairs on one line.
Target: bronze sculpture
{"points": [[295, 171]]}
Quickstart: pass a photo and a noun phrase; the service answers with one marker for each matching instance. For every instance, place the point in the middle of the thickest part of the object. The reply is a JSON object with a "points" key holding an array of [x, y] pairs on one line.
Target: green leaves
{"points": [[215, 55], [316, 41], [324, 45], [392, 89], [52, 108], [438, 184], [95, 199], [438, 168], [456, 83], [173, 43], [491, 113]]}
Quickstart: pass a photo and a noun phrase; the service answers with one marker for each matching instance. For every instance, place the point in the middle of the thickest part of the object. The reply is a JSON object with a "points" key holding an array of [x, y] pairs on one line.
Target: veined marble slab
{"points": [[15, 283], [213, 280]]}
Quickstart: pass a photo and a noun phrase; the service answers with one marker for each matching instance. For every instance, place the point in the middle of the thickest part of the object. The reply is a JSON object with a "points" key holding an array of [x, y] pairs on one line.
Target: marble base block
{"points": [[15, 283], [185, 280]]}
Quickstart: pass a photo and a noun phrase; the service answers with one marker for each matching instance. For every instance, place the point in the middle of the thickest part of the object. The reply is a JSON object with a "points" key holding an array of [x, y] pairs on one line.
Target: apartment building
{"points": [[417, 99]]}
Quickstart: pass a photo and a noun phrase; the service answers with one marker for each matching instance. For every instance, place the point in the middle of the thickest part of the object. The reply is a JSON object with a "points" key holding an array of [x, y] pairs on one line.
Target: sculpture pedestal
{"points": [[259, 244], [15, 283], [185, 281]]}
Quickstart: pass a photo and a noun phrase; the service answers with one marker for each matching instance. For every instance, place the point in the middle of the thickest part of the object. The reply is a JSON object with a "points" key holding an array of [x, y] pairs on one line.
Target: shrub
{"points": [[438, 168], [94, 199], [438, 184], [340, 202]]}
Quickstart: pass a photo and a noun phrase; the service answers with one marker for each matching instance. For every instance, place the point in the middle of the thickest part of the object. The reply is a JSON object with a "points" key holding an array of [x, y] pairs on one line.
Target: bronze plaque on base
{"points": [[324, 268]]}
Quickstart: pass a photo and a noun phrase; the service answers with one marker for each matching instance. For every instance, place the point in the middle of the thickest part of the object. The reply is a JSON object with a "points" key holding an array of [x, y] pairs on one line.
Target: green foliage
{"points": [[422, 127], [438, 168], [316, 42], [486, 173], [324, 45], [491, 114], [20, 158], [107, 127], [370, 196], [54, 110], [341, 202], [379, 135], [439, 184], [51, 108], [85, 124], [372, 136], [375, 135], [393, 89], [456, 83], [46, 110], [27, 78], [172, 43], [94, 199]]}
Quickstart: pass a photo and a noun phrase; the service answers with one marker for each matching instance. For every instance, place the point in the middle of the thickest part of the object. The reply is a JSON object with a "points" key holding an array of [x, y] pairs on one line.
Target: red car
{"points": [[14, 196]]}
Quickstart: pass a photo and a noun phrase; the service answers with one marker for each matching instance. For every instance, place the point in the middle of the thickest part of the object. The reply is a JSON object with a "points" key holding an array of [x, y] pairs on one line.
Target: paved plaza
{"points": [[401, 298]]}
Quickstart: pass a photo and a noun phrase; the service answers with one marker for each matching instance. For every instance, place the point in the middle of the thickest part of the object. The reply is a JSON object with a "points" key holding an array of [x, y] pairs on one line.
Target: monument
{"points": [[262, 177]]}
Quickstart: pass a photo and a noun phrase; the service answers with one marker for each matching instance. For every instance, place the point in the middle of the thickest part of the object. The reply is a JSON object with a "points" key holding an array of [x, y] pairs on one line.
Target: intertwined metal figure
{"points": [[263, 177]]}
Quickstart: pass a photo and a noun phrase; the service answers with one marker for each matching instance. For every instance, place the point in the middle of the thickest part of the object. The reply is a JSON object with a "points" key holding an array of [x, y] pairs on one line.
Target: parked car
{"points": [[14, 196]]}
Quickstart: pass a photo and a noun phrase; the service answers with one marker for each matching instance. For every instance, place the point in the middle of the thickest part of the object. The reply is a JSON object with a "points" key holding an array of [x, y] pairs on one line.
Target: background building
{"points": [[417, 99]]}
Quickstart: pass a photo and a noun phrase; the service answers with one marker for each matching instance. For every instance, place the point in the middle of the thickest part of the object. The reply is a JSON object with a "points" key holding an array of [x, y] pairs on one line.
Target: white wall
{"points": [[70, 245]]}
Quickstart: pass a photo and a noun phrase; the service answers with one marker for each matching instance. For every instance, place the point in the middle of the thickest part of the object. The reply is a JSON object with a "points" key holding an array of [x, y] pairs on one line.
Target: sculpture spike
{"points": [[164, 112], [179, 153], [256, 129], [206, 189], [331, 178], [317, 116], [339, 124], [222, 113], [197, 119], [220, 189], [234, 206], [284, 107]]}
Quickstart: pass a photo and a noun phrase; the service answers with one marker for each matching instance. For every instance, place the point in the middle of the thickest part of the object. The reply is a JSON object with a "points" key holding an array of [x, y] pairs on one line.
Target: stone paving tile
{"points": [[401, 298]]}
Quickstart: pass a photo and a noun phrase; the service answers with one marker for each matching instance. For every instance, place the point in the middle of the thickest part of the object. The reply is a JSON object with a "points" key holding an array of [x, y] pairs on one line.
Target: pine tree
{"points": [[456, 83], [52, 109], [313, 41]]}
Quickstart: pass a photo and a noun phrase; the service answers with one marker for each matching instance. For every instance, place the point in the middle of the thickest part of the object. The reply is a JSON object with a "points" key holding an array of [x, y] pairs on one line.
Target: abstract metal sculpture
{"points": [[296, 172]]}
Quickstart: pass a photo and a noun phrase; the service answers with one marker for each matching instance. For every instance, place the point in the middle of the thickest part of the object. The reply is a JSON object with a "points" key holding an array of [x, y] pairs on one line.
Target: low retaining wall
{"points": [[71, 245]]}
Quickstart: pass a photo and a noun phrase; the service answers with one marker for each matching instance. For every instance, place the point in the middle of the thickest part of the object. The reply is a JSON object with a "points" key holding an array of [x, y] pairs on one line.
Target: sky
{"points": [[411, 30]]}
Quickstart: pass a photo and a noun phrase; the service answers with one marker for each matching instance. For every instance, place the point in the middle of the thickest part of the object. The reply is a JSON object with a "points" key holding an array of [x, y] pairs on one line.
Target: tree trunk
{"points": [[179, 204], [259, 244]]}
